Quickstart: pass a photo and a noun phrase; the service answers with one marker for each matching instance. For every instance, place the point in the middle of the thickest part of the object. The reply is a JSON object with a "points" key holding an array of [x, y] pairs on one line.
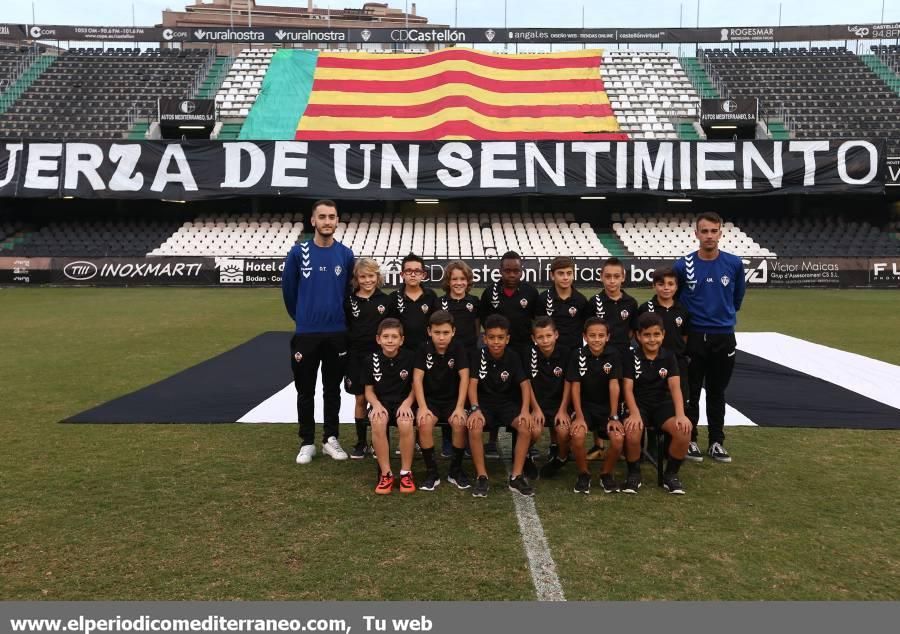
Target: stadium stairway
{"points": [[777, 131], [9, 97], [139, 131], [699, 79], [214, 78], [229, 132], [686, 131], [884, 73], [612, 243]]}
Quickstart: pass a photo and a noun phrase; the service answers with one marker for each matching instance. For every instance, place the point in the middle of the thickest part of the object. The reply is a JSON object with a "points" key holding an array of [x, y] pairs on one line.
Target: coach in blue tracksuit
{"points": [[711, 286], [315, 281]]}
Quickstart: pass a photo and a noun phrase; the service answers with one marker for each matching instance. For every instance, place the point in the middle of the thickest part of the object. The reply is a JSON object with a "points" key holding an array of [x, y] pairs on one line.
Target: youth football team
{"points": [[603, 367], [415, 364]]}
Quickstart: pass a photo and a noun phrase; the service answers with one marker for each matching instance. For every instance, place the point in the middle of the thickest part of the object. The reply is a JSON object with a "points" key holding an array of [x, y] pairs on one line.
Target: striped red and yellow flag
{"points": [[458, 93]]}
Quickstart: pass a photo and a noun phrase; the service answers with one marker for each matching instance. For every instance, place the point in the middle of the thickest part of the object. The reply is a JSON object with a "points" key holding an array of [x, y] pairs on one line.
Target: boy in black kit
{"points": [[618, 309], [458, 302], [440, 384], [653, 397], [676, 322], [516, 300], [564, 304], [594, 372], [388, 380], [546, 366], [412, 303], [364, 309], [499, 395]]}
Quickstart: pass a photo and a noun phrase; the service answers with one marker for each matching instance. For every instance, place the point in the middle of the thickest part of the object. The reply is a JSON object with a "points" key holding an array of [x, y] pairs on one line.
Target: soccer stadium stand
{"points": [[246, 235], [672, 235], [829, 93], [243, 82], [97, 238], [831, 236], [482, 235], [97, 94], [647, 91]]}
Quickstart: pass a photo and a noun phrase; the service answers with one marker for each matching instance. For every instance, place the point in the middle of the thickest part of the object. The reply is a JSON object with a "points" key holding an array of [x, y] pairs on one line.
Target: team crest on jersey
{"points": [[451, 363], [504, 376], [725, 279], [557, 371], [624, 314], [470, 307], [424, 308], [404, 375], [381, 309], [348, 383], [679, 321], [298, 357], [523, 303], [663, 373], [338, 269], [572, 311], [607, 367]]}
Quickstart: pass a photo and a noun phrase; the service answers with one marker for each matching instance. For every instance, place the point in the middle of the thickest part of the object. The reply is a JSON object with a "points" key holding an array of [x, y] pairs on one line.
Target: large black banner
{"points": [[432, 35], [194, 170], [266, 272]]}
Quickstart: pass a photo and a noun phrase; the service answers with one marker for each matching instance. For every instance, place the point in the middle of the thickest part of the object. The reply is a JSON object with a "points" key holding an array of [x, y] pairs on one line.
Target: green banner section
{"points": [[284, 95]]}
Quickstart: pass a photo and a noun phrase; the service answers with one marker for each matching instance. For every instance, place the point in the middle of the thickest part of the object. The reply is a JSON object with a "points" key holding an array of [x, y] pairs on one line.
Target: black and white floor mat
{"points": [[779, 381]]}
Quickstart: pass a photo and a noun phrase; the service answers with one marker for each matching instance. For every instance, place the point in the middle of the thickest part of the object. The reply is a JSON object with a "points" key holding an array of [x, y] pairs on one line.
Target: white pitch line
{"points": [[537, 550]]}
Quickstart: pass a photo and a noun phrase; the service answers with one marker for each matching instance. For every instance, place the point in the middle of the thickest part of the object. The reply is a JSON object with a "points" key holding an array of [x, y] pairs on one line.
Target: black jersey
{"points": [[441, 381], [413, 314], [465, 314], [390, 378], [619, 314], [498, 379], [568, 315], [651, 376], [594, 373], [676, 320], [519, 308], [548, 376], [363, 316]]}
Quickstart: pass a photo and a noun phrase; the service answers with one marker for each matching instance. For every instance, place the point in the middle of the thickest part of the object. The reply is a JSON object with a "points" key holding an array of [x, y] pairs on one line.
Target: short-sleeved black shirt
{"points": [[548, 376], [651, 376], [594, 373], [390, 378], [498, 379], [568, 315], [441, 381], [676, 320], [465, 314], [519, 309], [413, 314], [619, 314], [363, 316]]}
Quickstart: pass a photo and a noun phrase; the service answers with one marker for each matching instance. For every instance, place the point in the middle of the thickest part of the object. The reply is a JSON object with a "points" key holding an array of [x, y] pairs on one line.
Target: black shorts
{"points": [[549, 415], [597, 419], [354, 374], [443, 411], [659, 413], [497, 415]]}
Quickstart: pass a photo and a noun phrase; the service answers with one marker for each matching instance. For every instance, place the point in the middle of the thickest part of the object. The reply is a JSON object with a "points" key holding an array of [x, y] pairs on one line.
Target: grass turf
{"points": [[221, 512]]}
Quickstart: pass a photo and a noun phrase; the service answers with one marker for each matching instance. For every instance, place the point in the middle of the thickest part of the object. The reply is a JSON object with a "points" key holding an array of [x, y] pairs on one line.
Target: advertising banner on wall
{"points": [[175, 111], [427, 35], [197, 170], [740, 111], [266, 272]]}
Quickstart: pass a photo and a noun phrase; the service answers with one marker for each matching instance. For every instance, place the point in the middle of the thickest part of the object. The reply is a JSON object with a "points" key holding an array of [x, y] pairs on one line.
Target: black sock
{"points": [[673, 465], [634, 467], [361, 424], [458, 453], [428, 457]]}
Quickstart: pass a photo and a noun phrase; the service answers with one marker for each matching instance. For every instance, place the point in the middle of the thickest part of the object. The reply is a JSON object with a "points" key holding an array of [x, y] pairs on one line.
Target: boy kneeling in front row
{"points": [[388, 380], [653, 396]]}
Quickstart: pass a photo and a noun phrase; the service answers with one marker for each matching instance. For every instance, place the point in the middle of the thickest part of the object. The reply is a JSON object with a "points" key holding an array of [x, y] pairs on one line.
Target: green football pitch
{"points": [[213, 512]]}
